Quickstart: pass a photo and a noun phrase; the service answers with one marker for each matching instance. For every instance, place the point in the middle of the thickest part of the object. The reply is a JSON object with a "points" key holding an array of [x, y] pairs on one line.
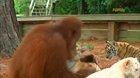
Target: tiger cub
{"points": [[122, 49]]}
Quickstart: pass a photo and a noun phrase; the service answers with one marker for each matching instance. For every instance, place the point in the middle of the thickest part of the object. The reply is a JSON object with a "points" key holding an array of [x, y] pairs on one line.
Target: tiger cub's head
{"points": [[111, 49], [116, 48]]}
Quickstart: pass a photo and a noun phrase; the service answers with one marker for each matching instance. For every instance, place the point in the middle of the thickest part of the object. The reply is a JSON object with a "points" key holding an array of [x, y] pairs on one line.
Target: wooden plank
{"points": [[26, 28], [93, 17], [95, 29], [86, 33], [96, 34], [129, 39], [95, 25], [129, 26], [112, 31], [130, 34]]}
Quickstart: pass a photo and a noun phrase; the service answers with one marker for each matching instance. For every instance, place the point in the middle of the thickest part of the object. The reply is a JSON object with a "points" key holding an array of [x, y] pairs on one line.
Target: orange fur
{"points": [[44, 51]]}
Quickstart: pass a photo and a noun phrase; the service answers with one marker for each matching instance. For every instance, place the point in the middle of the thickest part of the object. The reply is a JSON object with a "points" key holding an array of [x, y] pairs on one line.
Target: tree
{"points": [[9, 28]]}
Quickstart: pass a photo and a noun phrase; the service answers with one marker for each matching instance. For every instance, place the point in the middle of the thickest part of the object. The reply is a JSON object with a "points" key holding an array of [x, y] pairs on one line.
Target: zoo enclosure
{"points": [[119, 27]]}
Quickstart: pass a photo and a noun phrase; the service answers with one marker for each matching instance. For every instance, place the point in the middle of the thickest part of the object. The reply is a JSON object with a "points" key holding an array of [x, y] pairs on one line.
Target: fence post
{"points": [[113, 31]]}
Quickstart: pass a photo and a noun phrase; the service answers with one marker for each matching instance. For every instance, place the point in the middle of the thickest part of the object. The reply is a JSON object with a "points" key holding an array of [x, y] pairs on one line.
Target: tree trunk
{"points": [[9, 28]]}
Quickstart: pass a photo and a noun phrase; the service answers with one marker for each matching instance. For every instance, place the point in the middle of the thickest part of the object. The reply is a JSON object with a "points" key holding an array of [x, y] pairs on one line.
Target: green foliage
{"points": [[96, 6], [66, 7], [21, 6], [125, 6], [91, 7]]}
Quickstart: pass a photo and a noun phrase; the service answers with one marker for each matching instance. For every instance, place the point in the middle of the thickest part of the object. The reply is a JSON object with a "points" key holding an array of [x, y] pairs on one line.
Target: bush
{"points": [[21, 6]]}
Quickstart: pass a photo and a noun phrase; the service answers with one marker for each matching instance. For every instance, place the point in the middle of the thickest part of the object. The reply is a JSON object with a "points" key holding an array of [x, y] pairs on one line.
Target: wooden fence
{"points": [[122, 27]]}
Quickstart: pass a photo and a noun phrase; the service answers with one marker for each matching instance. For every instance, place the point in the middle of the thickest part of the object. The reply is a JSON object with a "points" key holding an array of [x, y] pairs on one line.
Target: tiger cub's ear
{"points": [[112, 43]]}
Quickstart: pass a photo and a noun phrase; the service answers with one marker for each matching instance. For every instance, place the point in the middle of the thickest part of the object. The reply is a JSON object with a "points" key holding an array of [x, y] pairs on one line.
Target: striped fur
{"points": [[122, 49]]}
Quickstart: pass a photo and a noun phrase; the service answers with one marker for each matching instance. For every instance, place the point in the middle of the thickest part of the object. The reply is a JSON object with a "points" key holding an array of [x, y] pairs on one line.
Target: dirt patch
{"points": [[98, 52]]}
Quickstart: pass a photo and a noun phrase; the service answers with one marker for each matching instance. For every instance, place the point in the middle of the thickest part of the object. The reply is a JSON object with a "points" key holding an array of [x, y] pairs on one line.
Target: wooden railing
{"points": [[115, 25], [93, 17]]}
